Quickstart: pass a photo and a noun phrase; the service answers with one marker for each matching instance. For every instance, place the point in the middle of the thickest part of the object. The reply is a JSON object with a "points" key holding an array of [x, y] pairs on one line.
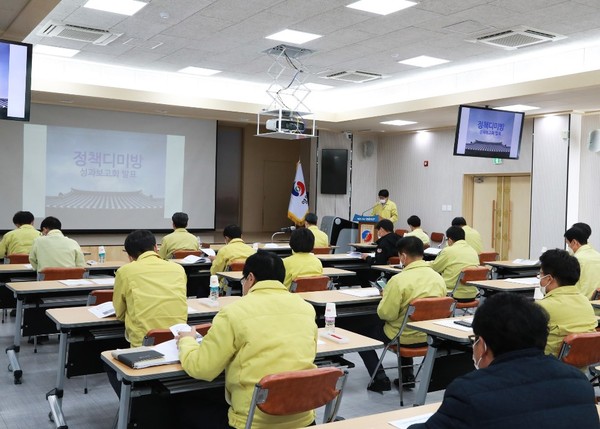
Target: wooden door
{"points": [[278, 178]]}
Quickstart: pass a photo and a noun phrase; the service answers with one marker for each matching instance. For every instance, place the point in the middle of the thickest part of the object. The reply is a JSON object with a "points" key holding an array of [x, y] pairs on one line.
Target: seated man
{"points": [[53, 249], [570, 312], [149, 292], [386, 248], [234, 249], [301, 262], [588, 258], [414, 223], [417, 280], [386, 208], [179, 239], [268, 331], [472, 236], [310, 222], [19, 240], [516, 386]]}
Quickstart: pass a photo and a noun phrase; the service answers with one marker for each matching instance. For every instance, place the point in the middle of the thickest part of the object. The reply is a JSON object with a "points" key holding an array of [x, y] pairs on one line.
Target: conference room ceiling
{"points": [[229, 35]]}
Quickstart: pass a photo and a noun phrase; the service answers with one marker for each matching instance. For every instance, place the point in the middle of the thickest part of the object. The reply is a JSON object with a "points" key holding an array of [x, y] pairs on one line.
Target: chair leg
{"points": [[35, 338], [385, 349], [400, 381]]}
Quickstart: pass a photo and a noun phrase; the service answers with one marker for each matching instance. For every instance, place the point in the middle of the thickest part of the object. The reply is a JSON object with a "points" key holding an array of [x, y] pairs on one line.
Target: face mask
{"points": [[383, 201], [476, 362], [543, 288]]}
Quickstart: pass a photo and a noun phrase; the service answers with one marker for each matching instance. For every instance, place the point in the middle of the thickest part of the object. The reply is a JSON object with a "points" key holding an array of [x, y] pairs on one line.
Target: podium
{"points": [[366, 228]]}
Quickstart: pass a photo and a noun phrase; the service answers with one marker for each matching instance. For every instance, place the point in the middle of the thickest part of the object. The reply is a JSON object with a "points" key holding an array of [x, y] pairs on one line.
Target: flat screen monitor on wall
{"points": [[488, 133], [15, 80], [334, 171]]}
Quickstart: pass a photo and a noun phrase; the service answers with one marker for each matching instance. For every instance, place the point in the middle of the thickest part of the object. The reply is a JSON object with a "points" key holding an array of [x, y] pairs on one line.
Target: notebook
{"points": [[137, 359]]}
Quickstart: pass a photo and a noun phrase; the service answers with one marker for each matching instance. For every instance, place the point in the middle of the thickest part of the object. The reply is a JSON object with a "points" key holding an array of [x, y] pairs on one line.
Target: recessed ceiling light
{"points": [[382, 7], [317, 86], [398, 122], [423, 61], [53, 50], [293, 36], [122, 7], [199, 71], [517, 108]]}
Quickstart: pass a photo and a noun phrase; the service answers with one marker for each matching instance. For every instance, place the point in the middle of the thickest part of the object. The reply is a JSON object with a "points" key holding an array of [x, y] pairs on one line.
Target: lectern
{"points": [[366, 228]]}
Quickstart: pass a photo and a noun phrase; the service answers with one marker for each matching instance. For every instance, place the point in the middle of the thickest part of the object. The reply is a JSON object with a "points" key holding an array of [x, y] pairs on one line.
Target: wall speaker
{"points": [[594, 141]]}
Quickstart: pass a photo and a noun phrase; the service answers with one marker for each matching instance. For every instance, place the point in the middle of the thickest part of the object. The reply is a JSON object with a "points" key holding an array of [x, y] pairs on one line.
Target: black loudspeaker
{"points": [[334, 171]]}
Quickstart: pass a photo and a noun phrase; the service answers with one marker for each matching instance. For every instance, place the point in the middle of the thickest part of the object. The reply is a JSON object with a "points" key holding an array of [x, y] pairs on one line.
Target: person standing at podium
{"points": [[386, 209]]}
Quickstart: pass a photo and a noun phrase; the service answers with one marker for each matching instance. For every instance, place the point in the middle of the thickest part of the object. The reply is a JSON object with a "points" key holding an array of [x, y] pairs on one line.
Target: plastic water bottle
{"points": [[213, 294], [101, 254], [330, 314], [199, 240]]}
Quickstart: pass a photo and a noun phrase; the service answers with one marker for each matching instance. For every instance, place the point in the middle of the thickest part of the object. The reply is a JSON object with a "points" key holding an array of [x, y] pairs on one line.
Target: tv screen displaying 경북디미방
{"points": [[15, 80], [488, 133]]}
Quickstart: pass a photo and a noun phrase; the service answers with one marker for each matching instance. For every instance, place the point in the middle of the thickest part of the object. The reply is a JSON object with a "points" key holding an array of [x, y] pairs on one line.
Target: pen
{"points": [[336, 336]]}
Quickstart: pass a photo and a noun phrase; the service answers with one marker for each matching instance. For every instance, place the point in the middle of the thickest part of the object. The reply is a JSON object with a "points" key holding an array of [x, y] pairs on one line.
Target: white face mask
{"points": [[478, 361], [383, 201], [543, 288]]}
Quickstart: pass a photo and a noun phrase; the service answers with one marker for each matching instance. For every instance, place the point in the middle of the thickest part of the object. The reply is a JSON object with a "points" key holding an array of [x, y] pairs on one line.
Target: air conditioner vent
{"points": [[517, 38], [354, 76], [77, 32]]}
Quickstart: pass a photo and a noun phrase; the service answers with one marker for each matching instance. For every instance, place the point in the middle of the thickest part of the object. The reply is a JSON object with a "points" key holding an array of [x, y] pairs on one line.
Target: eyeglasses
{"points": [[473, 339], [243, 280]]}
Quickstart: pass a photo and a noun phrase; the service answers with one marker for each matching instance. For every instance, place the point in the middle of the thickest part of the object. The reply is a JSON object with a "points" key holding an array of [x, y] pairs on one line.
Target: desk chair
{"points": [[418, 310], [393, 260], [237, 265], [401, 232], [487, 257], [16, 258], [180, 254], [157, 336], [97, 297], [310, 284], [321, 250], [469, 274], [61, 273], [581, 350], [293, 392], [437, 237]]}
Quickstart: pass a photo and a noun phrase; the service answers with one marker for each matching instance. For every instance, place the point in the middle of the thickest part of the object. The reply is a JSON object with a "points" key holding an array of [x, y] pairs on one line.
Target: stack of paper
{"points": [[362, 292], [105, 309]]}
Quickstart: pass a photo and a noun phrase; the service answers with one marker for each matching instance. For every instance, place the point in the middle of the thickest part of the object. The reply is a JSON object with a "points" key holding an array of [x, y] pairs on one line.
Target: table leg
{"points": [[55, 396], [124, 404], [14, 349], [426, 371]]}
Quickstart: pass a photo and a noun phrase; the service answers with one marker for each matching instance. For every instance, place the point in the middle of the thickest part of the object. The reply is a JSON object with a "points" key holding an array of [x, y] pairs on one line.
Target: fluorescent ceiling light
{"points": [[293, 36], [317, 86], [517, 108], [382, 7], [53, 50], [122, 7], [398, 122], [199, 71], [423, 61]]}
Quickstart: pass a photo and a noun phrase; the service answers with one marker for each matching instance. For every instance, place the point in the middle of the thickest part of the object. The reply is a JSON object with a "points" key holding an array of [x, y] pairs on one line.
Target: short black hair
{"points": [[386, 224], [414, 221], [51, 223], [412, 246], [311, 218], [384, 193], [180, 219], [23, 218], [455, 233], [265, 266], [459, 221], [138, 242], [585, 227], [560, 265], [575, 233], [302, 240], [232, 231], [508, 321]]}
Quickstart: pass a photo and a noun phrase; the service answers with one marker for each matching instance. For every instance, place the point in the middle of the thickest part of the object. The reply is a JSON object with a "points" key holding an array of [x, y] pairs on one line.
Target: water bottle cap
{"points": [[214, 280]]}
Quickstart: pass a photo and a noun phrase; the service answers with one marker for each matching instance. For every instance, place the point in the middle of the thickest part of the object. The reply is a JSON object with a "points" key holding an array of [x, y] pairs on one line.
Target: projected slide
{"points": [[4, 60]]}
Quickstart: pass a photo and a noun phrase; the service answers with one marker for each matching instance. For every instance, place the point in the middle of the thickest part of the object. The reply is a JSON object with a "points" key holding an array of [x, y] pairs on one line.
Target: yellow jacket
{"points": [[18, 240], [179, 239], [419, 233], [417, 280], [451, 261], [570, 313], [149, 293], [589, 261], [321, 239], [386, 211], [473, 238], [55, 250], [232, 251], [301, 264], [267, 331]]}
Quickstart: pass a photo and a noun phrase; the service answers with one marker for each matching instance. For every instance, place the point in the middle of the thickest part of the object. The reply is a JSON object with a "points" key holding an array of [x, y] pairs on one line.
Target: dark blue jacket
{"points": [[524, 389]]}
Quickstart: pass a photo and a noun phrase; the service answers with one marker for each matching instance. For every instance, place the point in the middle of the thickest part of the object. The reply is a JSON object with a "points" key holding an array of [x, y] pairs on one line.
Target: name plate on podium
{"points": [[362, 218]]}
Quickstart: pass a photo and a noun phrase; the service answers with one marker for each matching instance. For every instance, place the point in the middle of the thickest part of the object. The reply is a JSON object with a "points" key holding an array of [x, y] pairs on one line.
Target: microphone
{"points": [[288, 229], [370, 208]]}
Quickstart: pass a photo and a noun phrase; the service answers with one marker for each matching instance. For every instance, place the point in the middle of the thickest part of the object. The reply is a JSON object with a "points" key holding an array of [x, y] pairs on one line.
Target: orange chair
{"points": [[437, 237], [310, 284], [401, 232], [580, 350], [237, 265], [157, 336], [61, 273], [294, 392], [467, 275], [16, 258], [418, 310], [100, 296], [393, 260], [180, 254], [487, 257], [321, 250]]}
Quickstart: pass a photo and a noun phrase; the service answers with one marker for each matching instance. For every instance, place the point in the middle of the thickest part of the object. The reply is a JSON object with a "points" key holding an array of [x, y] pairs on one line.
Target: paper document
{"points": [[106, 281], [76, 282], [361, 292], [537, 294], [405, 423], [192, 310], [449, 323], [193, 259], [105, 309], [525, 281], [525, 262], [355, 254], [208, 252], [432, 250], [29, 266]]}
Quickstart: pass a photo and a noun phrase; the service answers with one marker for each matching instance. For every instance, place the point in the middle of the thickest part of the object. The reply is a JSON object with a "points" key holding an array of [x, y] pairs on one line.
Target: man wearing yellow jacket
{"points": [[310, 222], [472, 236], [385, 209], [268, 331], [179, 239], [588, 258], [417, 280], [19, 240], [570, 312], [414, 223], [302, 262]]}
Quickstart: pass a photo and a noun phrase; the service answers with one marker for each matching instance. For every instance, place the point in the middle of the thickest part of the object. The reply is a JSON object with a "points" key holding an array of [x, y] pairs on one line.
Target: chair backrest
{"points": [[310, 284], [157, 336], [321, 250], [180, 254], [237, 265], [16, 258], [97, 297], [401, 232], [430, 308], [581, 350], [61, 273], [596, 294], [470, 274], [393, 260], [487, 257], [437, 237], [294, 392]]}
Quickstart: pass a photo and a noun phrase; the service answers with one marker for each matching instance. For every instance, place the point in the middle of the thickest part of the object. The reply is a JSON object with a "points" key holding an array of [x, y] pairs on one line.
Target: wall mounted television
{"points": [[488, 133], [15, 80]]}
